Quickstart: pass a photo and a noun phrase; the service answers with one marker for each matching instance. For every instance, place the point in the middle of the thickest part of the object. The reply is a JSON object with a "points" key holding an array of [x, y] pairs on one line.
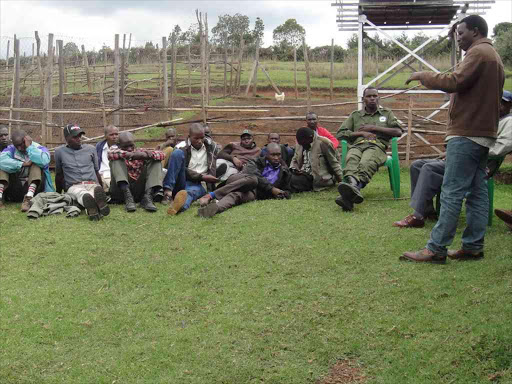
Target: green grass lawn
{"points": [[268, 292]]}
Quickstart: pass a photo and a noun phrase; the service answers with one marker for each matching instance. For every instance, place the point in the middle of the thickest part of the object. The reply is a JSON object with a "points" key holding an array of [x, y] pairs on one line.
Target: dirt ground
{"points": [[144, 101], [344, 371]]}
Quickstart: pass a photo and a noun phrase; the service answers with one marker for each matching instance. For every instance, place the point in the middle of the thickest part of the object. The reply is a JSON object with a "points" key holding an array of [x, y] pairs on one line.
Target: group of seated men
{"points": [[177, 174]]}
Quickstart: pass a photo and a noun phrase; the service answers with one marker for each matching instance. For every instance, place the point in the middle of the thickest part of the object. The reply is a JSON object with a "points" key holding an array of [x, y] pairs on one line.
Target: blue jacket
{"points": [[11, 161]]}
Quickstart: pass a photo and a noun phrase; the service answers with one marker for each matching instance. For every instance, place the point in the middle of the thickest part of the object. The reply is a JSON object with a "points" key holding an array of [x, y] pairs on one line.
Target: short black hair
{"points": [[18, 135], [475, 21], [304, 133], [370, 87]]}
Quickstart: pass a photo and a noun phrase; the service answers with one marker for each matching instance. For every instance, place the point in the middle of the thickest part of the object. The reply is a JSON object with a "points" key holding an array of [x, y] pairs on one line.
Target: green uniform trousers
{"points": [[150, 177], [363, 160]]}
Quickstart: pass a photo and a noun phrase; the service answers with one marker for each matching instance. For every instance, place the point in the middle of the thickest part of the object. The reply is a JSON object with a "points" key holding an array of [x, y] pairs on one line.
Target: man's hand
{"points": [[27, 163], [210, 179], [368, 135], [415, 76], [28, 141], [276, 192], [238, 163]]}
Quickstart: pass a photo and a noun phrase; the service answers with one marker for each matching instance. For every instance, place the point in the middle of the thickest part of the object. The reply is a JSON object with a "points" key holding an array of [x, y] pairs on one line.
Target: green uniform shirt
{"points": [[382, 117]]}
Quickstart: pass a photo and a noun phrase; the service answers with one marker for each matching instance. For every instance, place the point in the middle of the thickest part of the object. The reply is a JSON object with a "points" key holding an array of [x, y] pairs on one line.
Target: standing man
{"points": [[76, 172], [4, 137], [312, 121], [102, 148], [368, 133], [476, 88], [24, 170], [136, 174]]}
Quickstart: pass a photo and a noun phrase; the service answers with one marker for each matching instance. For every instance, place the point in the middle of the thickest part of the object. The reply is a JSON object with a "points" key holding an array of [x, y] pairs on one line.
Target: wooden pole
{"points": [[189, 71], [116, 78], [257, 60], [225, 69], [332, 69], [271, 82], [164, 72], [127, 52], [295, 72], [102, 101], [240, 57], [85, 60], [251, 75], [409, 134], [15, 86], [202, 54], [122, 83], [207, 61], [49, 84], [306, 62], [7, 55], [231, 70], [39, 65], [60, 44], [173, 46]]}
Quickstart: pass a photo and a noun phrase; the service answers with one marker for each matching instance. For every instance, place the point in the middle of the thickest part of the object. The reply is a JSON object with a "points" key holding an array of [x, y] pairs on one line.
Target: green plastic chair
{"points": [[490, 190], [392, 163]]}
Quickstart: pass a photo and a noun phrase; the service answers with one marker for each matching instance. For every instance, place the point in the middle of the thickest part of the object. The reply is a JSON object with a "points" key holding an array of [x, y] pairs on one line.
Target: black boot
{"points": [[147, 201], [349, 190], [128, 201]]}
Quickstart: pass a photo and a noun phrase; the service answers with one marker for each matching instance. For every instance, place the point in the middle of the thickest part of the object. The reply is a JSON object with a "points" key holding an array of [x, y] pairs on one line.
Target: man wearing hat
{"points": [[235, 155], [77, 173], [427, 175], [24, 170]]}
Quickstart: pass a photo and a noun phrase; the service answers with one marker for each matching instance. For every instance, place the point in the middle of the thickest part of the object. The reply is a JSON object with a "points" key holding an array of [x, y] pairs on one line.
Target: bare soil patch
{"points": [[344, 371]]}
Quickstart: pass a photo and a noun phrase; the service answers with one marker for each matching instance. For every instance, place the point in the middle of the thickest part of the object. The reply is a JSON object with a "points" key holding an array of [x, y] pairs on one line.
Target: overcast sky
{"points": [[93, 23]]}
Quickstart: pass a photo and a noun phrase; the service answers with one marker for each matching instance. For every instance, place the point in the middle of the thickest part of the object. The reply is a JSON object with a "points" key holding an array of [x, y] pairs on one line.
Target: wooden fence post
{"points": [[85, 60], [207, 61], [164, 74], [39, 65], [306, 62], [295, 72], [231, 69], [49, 85], [409, 134], [15, 94], [173, 46], [189, 71], [257, 60], [332, 69], [225, 69], [60, 44], [7, 69], [116, 79], [240, 58]]}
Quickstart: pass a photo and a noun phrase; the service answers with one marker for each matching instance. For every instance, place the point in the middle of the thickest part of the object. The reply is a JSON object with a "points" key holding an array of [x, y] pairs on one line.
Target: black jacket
{"points": [[256, 166]]}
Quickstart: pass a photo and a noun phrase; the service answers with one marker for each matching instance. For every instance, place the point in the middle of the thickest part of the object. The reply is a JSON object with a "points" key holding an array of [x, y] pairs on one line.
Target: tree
{"points": [[258, 30], [289, 34], [70, 50], [229, 29], [504, 46], [501, 28]]}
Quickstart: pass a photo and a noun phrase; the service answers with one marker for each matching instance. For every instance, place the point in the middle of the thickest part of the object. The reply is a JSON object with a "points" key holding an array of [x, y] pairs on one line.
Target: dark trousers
{"points": [[426, 181], [17, 183], [301, 183], [239, 189], [150, 177]]}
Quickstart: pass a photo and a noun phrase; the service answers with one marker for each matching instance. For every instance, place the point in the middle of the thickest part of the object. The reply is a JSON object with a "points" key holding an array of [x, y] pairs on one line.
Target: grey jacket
{"points": [[52, 203]]}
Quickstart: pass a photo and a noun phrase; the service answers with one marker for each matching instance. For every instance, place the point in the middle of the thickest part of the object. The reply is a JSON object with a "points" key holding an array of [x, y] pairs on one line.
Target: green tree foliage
{"points": [[70, 50], [229, 29], [501, 28], [504, 46], [289, 34], [259, 29], [324, 53]]}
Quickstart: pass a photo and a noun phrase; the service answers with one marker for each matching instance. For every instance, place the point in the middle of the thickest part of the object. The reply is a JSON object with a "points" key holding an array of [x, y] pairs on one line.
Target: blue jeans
{"points": [[176, 179], [464, 177]]}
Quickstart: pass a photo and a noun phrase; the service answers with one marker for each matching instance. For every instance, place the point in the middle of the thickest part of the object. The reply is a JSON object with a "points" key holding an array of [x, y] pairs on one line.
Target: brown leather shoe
{"points": [[424, 256], [178, 203], [2, 205], [410, 221], [462, 254], [25, 206], [506, 216]]}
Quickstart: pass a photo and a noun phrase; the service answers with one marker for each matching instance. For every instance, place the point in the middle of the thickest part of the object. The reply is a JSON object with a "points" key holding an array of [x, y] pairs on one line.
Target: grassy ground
{"points": [[272, 292]]}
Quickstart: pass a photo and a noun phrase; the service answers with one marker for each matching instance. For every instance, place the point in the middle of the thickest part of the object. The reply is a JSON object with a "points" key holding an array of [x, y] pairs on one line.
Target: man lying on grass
{"points": [[262, 178]]}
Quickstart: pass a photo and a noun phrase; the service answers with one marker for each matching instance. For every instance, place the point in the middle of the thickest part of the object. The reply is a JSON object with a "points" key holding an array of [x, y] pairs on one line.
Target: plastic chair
{"points": [[392, 163], [490, 190]]}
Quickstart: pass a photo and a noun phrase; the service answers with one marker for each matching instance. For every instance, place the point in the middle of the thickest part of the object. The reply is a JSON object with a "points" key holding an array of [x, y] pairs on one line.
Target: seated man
{"points": [[171, 138], [4, 137], [286, 151], [312, 122], [261, 178], [189, 167], [234, 156], [136, 174], [427, 175], [314, 166], [111, 138], [24, 170], [368, 133], [76, 172]]}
